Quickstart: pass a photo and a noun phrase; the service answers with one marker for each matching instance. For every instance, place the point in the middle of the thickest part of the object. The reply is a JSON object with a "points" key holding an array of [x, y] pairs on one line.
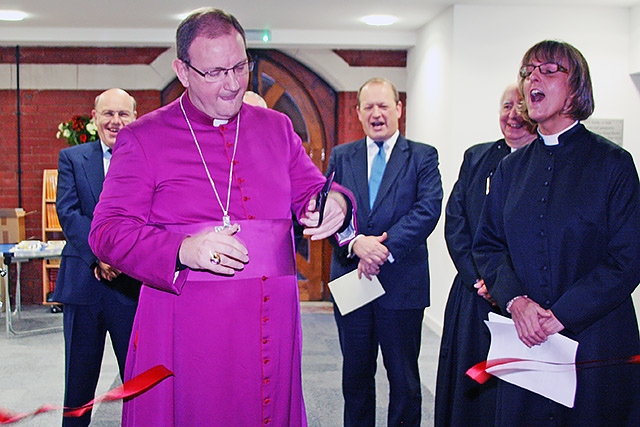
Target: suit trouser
{"points": [[398, 333], [85, 330]]}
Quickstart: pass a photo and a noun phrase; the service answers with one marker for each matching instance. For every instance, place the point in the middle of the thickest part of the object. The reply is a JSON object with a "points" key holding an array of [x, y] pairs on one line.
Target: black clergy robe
{"points": [[562, 225], [465, 338]]}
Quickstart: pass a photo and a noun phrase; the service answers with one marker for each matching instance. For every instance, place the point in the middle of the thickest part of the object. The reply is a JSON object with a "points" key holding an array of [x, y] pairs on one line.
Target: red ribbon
{"points": [[478, 372], [130, 389]]}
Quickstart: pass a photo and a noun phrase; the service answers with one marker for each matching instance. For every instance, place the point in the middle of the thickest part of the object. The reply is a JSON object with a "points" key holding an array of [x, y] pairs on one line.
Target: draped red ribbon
{"points": [[132, 388], [478, 372]]}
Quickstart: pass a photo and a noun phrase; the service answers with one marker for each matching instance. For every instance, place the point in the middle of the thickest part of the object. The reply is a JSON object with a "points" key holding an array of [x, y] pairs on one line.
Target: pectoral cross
{"points": [[226, 223]]}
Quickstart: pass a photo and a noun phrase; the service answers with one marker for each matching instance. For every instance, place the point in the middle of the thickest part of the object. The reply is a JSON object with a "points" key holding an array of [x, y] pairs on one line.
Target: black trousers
{"points": [[85, 331], [398, 334]]}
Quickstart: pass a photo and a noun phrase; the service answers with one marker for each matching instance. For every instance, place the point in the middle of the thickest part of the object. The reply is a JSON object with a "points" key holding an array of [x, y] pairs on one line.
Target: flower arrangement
{"points": [[78, 130]]}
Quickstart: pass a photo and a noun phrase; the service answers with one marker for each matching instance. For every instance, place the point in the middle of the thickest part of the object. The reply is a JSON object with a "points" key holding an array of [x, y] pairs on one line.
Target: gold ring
{"points": [[214, 257]]}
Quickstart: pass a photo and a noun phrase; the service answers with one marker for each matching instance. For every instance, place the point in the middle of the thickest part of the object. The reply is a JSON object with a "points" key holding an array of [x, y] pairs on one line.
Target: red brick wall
{"points": [[373, 58], [41, 112], [80, 55], [349, 127]]}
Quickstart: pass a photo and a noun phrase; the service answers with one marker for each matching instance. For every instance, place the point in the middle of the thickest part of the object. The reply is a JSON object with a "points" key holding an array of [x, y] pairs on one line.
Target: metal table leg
{"points": [[18, 309], [7, 304]]}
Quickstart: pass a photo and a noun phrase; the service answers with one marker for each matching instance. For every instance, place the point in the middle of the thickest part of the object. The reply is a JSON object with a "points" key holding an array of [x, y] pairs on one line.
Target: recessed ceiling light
{"points": [[379, 20], [12, 15]]}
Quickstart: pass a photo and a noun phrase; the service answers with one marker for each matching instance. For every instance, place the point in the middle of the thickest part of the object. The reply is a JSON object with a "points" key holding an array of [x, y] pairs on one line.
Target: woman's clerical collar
{"points": [[555, 138]]}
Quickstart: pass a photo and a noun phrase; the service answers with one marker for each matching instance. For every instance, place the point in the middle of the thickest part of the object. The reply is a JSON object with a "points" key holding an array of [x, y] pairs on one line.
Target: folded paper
{"points": [[350, 292], [547, 369]]}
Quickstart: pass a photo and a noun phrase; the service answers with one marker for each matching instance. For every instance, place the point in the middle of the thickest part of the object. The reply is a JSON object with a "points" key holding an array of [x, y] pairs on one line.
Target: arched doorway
{"points": [[311, 104]]}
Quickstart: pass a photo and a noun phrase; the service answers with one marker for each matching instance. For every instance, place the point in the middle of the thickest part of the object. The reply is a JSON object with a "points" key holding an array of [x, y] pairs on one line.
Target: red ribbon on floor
{"points": [[132, 388], [478, 372]]}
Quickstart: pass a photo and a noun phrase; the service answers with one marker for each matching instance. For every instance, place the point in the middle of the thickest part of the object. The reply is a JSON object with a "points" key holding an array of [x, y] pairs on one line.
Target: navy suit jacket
{"points": [[80, 178], [407, 207]]}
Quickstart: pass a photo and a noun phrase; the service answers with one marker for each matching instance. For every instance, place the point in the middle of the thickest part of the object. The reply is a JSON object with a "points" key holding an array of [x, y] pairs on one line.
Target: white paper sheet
{"points": [[547, 369], [349, 292]]}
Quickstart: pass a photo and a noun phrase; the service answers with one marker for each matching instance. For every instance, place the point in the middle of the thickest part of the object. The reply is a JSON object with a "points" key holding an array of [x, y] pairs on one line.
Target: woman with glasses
{"points": [[465, 338], [558, 247]]}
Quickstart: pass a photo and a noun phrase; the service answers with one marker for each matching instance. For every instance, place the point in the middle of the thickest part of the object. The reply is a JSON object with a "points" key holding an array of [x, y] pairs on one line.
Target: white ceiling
{"points": [[304, 22]]}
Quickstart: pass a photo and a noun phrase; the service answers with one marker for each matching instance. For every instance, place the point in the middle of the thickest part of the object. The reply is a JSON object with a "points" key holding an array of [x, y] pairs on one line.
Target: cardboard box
{"points": [[12, 225]]}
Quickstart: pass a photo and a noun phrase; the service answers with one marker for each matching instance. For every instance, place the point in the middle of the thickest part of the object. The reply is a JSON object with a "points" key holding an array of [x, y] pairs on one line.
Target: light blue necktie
{"points": [[377, 170]]}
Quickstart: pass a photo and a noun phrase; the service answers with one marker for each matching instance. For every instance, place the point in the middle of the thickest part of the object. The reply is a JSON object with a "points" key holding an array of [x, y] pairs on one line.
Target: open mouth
{"points": [[536, 95], [377, 125]]}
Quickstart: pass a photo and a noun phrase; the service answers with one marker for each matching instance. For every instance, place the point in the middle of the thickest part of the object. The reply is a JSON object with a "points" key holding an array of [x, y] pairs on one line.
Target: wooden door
{"points": [[310, 103]]}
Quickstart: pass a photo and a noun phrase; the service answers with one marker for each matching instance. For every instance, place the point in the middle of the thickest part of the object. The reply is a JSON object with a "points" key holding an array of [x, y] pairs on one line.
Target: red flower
{"points": [[75, 131], [77, 124]]}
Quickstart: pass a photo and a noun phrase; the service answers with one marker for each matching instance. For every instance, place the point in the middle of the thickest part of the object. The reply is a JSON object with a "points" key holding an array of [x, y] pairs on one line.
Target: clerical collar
{"points": [[220, 122], [555, 138]]}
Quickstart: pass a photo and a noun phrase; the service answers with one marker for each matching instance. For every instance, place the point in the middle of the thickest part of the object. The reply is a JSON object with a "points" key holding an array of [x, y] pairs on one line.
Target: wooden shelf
{"points": [[51, 230]]}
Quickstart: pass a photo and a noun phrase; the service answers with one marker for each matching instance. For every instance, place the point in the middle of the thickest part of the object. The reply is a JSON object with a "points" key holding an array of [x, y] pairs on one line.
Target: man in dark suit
{"points": [[97, 298], [395, 221]]}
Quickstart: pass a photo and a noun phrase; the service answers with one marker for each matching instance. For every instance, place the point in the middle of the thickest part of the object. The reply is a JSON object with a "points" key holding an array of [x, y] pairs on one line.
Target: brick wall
{"points": [[80, 55], [41, 112]]}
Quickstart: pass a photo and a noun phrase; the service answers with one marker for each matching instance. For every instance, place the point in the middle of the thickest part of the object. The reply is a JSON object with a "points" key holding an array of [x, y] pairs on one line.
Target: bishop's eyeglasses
{"points": [[218, 74], [546, 68]]}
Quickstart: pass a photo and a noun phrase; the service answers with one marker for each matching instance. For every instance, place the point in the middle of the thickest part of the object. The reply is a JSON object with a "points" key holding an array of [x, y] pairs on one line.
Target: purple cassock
{"points": [[233, 343]]}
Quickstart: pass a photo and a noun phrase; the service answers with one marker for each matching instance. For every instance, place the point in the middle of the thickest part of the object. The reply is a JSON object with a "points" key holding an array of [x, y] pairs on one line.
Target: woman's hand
{"points": [[484, 292], [527, 316], [551, 325]]}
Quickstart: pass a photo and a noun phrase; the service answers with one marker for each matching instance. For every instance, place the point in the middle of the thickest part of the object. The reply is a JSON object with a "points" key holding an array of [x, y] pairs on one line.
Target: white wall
{"points": [[634, 51], [431, 119], [484, 45]]}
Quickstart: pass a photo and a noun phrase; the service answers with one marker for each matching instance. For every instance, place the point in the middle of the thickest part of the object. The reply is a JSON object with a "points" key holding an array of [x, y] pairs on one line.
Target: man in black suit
{"points": [[97, 298], [395, 221]]}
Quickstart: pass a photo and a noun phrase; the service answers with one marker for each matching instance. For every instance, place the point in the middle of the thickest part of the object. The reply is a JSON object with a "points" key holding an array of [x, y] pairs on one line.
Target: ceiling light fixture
{"points": [[12, 15], [379, 20]]}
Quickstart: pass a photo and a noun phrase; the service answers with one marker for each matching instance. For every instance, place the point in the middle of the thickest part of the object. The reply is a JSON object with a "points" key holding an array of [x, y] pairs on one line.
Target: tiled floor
{"points": [[33, 371]]}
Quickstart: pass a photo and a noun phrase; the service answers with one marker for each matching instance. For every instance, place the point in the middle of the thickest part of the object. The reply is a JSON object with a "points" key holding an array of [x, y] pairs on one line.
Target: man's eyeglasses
{"points": [[546, 68], [217, 74]]}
